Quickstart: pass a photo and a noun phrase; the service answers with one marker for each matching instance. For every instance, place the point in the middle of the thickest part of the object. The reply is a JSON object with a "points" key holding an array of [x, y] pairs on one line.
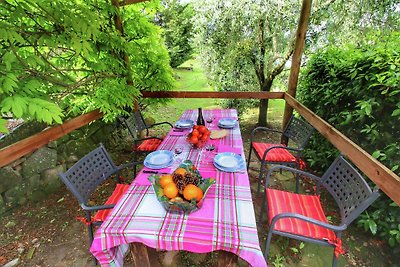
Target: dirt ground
{"points": [[47, 233]]}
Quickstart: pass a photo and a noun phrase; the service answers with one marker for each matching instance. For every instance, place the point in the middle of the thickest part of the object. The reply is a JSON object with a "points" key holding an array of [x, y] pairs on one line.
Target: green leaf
{"points": [[372, 227], [376, 154], [392, 242], [8, 59], [396, 112], [3, 126]]}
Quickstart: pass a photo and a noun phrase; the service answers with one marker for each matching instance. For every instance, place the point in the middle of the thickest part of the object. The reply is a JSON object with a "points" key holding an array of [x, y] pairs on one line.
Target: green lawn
{"points": [[190, 77], [186, 80]]}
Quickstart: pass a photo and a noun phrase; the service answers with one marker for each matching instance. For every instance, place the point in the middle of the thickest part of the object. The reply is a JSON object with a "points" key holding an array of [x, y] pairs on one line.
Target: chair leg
{"points": [[262, 209], [90, 233], [335, 260], [260, 177], [297, 183], [134, 167], [268, 244], [248, 159]]}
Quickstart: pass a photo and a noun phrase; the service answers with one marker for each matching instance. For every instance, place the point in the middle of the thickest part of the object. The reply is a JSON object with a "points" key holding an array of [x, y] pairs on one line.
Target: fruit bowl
{"points": [[198, 136], [187, 180]]}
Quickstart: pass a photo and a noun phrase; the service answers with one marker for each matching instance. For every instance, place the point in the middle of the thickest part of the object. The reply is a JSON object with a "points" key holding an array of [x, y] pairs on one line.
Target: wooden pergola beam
{"points": [[30, 144], [212, 94]]}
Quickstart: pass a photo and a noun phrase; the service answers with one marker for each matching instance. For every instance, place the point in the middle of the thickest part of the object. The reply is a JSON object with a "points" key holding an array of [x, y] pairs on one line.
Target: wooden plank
{"points": [[212, 94], [139, 254], [296, 58], [387, 180], [227, 259], [30, 144]]}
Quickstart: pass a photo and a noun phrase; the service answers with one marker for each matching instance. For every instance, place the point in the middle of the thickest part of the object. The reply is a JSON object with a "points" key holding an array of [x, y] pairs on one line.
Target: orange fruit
{"points": [[190, 192], [202, 129], [180, 171], [165, 179], [194, 140], [170, 190], [195, 132], [199, 194]]}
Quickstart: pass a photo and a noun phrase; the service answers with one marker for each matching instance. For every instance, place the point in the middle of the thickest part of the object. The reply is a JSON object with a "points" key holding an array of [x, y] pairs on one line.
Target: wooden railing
{"points": [[387, 180]]}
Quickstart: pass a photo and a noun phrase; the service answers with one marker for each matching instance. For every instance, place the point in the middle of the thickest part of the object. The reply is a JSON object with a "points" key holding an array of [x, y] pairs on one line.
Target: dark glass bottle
{"points": [[200, 119]]}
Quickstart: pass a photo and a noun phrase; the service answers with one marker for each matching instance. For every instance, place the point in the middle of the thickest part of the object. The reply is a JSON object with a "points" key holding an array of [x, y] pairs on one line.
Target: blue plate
{"points": [[228, 161], [159, 159], [241, 168], [184, 124], [227, 123]]}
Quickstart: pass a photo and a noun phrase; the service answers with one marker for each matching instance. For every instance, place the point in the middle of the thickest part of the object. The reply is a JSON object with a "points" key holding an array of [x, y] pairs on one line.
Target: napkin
{"points": [[224, 148], [142, 178], [178, 133]]}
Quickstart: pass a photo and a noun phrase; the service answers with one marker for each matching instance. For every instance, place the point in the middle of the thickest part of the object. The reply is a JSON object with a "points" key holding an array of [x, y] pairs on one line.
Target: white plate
{"points": [[227, 123], [229, 160], [157, 167], [159, 157], [184, 124]]}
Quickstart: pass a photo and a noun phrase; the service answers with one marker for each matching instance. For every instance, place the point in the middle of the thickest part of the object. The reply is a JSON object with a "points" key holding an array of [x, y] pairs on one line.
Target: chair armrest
{"points": [[129, 164], [148, 138], [335, 228], [96, 208], [160, 123], [283, 147], [293, 170]]}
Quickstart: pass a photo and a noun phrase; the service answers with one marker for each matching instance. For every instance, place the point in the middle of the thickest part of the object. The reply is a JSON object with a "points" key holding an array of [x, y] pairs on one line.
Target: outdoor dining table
{"points": [[225, 222]]}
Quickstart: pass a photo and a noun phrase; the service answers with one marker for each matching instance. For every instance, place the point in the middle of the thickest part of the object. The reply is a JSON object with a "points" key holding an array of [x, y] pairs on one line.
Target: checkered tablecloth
{"points": [[226, 221]]}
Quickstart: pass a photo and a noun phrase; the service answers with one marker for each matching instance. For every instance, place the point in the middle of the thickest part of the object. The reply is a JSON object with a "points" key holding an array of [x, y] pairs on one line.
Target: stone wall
{"points": [[34, 176]]}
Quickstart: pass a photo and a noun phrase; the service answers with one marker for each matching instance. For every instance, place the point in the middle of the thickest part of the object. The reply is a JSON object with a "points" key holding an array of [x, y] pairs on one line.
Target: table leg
{"points": [[227, 259], [140, 255]]}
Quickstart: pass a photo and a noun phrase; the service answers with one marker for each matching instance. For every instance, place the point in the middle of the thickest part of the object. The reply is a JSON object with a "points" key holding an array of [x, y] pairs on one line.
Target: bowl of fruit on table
{"points": [[199, 136], [182, 191]]}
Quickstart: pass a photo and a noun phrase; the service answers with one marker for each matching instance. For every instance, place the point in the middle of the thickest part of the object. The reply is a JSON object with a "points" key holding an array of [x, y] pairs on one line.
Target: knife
{"points": [[155, 172]]}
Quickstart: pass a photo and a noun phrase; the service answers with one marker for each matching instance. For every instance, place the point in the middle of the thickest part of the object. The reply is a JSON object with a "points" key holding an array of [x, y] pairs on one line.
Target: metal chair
{"points": [[86, 175], [136, 125], [301, 216], [297, 131]]}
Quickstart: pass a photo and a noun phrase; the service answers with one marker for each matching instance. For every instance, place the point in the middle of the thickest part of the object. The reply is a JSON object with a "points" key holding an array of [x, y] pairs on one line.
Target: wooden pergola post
{"points": [[124, 56], [296, 59]]}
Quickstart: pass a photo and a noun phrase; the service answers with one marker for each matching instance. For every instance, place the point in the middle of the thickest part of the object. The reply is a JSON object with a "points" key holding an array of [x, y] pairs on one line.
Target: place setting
{"points": [[183, 124], [182, 127], [227, 123], [159, 159], [229, 162]]}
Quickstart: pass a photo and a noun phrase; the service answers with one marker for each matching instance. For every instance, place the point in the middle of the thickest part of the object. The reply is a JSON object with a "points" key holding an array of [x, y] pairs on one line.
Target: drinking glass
{"points": [[209, 119], [177, 151]]}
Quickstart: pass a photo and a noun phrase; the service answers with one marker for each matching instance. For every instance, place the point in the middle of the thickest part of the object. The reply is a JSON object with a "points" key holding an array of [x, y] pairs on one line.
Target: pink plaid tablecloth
{"points": [[226, 221]]}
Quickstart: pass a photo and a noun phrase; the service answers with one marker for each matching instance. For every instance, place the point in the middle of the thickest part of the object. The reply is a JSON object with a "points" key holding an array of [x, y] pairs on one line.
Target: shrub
{"points": [[357, 90]]}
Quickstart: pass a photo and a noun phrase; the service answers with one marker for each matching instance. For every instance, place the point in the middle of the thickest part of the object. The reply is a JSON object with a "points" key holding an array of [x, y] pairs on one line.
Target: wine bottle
{"points": [[200, 119]]}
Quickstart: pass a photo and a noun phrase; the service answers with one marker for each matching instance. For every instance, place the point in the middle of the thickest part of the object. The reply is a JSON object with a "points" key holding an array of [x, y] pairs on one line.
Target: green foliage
{"points": [[176, 21], [356, 89], [63, 58], [244, 45]]}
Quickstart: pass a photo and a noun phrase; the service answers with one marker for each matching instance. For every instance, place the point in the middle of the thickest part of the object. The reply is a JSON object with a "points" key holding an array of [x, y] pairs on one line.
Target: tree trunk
{"points": [[263, 109]]}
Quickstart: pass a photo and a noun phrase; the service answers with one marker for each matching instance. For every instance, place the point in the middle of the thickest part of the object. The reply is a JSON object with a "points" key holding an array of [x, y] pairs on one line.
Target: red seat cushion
{"points": [[274, 155], [119, 190], [149, 145], [307, 205]]}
